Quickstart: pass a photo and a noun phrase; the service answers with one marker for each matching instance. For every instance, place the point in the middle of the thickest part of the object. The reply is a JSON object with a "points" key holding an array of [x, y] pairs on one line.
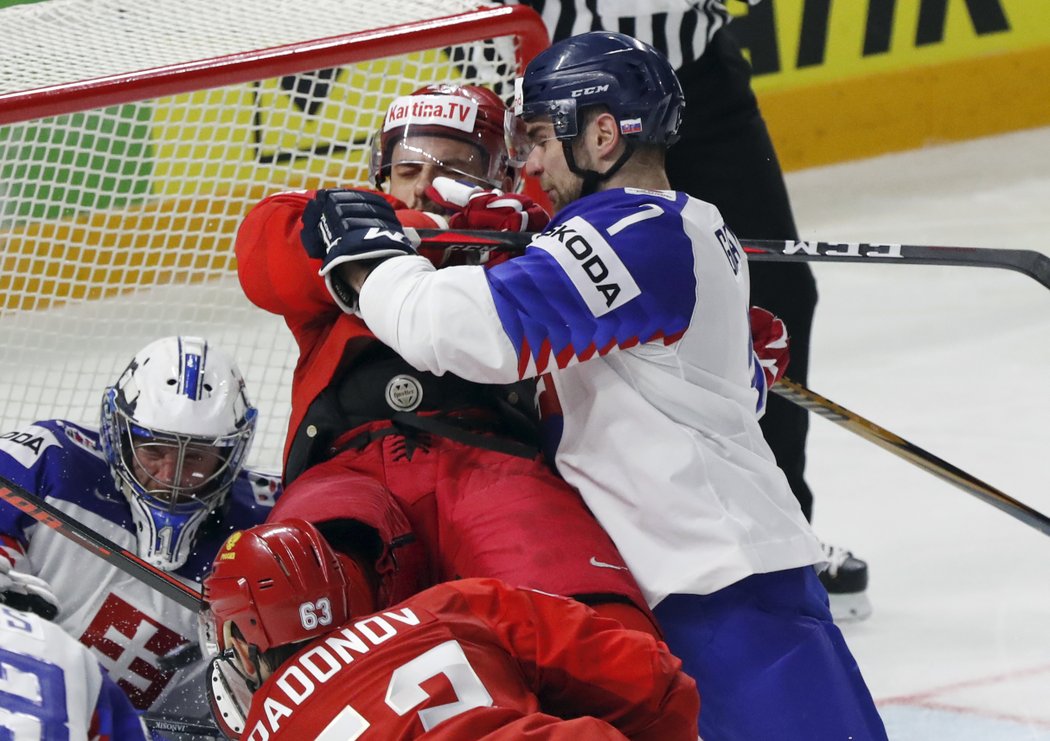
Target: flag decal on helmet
{"points": [[631, 126]]}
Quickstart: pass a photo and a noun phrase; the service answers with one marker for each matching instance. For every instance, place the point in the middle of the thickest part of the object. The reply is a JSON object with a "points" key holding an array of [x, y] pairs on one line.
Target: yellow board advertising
{"points": [[843, 79]]}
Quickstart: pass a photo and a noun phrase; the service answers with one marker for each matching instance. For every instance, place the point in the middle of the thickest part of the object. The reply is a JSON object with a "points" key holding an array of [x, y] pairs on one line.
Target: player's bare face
{"points": [[546, 162], [160, 468], [416, 160]]}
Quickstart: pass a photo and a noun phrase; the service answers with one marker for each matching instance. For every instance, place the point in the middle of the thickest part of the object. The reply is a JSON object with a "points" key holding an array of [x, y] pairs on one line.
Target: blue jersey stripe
{"points": [[544, 312]]}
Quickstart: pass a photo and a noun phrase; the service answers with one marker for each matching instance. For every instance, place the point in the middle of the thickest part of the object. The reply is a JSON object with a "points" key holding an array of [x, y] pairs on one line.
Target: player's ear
{"points": [[605, 134]]}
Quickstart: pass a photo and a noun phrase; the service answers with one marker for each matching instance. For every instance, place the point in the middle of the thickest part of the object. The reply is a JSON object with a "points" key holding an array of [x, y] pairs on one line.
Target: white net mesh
{"points": [[117, 222]]}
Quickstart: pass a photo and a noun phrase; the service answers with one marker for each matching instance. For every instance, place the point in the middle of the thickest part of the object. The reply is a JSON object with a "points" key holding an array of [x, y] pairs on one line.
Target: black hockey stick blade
{"points": [[1034, 264], [98, 544], [186, 726], [814, 402]]}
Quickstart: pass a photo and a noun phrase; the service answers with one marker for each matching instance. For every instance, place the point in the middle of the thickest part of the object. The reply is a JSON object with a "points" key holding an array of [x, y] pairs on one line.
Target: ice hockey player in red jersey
{"points": [[431, 477], [470, 659]]}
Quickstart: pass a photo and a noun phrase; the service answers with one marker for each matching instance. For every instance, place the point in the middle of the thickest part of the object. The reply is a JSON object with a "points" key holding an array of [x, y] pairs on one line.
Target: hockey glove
{"points": [[26, 592], [770, 338], [476, 208], [341, 226]]}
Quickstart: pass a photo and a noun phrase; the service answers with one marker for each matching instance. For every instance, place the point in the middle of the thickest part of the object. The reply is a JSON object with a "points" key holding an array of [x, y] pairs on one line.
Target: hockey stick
{"points": [[169, 724], [101, 546], [814, 402], [1034, 264]]}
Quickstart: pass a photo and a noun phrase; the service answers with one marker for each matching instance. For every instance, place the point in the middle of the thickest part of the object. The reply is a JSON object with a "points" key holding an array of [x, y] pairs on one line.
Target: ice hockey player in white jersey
{"points": [[163, 476], [54, 688], [632, 309]]}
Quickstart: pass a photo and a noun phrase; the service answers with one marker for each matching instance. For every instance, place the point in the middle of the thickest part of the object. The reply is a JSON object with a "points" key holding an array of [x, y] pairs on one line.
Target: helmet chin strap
{"points": [[257, 662], [591, 178]]}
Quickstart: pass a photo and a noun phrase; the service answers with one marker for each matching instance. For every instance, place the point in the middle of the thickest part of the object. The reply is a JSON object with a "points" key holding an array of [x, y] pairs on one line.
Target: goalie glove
{"points": [[770, 339], [342, 226], [26, 592], [473, 207]]}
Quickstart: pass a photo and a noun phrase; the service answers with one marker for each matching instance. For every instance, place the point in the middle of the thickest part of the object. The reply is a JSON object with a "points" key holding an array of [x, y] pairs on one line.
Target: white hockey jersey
{"points": [[127, 625], [51, 687], [632, 309]]}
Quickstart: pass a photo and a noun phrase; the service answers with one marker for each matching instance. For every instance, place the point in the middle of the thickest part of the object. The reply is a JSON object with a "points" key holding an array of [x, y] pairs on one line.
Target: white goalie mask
{"points": [[176, 429]]}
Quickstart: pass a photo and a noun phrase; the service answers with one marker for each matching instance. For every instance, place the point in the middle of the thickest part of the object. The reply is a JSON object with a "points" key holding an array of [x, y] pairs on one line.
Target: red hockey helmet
{"points": [[468, 113], [279, 583]]}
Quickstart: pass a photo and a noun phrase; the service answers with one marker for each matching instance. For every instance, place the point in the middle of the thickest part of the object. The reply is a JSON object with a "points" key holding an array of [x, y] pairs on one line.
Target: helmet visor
{"points": [[452, 133], [449, 157], [209, 636], [560, 113], [178, 472]]}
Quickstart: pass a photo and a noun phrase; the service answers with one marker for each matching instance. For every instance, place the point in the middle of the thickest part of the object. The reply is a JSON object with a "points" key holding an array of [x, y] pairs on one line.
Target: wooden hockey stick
{"points": [[98, 544], [1034, 264], [814, 402]]}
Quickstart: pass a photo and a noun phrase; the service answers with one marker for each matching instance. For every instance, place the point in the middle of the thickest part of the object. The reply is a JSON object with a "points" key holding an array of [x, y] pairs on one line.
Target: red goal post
{"points": [[134, 136]]}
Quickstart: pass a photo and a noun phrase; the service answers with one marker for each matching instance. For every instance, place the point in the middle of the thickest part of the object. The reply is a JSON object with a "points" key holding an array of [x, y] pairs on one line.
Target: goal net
{"points": [[135, 135]]}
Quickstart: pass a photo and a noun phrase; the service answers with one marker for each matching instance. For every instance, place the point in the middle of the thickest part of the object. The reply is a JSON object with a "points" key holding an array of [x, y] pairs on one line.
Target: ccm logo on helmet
{"points": [[589, 90], [591, 263]]}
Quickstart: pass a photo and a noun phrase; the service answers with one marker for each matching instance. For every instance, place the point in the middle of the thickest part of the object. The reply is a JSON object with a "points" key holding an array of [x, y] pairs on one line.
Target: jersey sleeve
{"points": [[275, 272], [620, 275], [55, 688], [582, 664], [25, 455], [115, 717]]}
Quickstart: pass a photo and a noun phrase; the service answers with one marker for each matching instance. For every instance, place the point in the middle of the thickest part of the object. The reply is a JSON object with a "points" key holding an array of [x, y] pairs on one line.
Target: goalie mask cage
{"points": [[136, 134]]}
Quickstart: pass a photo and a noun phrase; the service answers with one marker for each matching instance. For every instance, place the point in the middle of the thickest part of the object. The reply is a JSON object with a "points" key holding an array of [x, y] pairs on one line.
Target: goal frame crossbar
{"points": [[242, 67]]}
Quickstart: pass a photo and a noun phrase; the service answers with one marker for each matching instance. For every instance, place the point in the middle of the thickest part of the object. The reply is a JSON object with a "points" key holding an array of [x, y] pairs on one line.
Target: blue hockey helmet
{"points": [[632, 79]]}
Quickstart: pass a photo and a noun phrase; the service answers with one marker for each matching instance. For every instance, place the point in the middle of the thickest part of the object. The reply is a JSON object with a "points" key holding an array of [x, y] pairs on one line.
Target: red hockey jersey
{"points": [[277, 275], [476, 659]]}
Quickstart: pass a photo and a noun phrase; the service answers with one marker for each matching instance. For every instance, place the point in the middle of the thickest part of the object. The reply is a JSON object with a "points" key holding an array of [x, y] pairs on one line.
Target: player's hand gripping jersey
{"points": [[53, 688], [476, 659], [632, 309], [127, 625]]}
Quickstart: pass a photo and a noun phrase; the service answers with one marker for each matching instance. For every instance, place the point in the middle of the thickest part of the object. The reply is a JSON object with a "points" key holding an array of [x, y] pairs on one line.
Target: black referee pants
{"points": [[725, 157]]}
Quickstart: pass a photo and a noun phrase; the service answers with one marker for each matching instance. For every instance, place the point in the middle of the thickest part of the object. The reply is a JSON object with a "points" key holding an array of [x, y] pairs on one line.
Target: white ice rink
{"points": [[957, 361]]}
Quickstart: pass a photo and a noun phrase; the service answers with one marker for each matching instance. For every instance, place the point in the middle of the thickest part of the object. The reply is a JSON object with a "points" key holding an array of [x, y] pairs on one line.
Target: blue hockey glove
{"points": [[342, 225]]}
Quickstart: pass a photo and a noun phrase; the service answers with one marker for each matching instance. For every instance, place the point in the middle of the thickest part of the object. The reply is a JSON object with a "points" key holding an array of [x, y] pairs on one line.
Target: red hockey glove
{"points": [[770, 338], [475, 208]]}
